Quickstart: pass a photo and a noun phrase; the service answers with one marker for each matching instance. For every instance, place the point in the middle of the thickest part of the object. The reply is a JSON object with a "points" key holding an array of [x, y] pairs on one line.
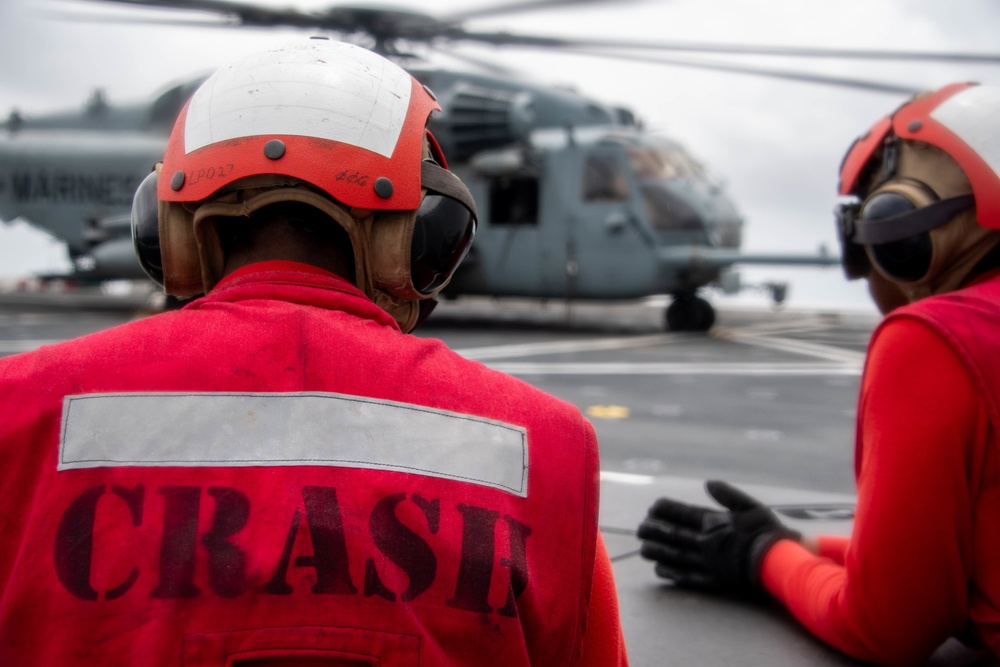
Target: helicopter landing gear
{"points": [[689, 312]]}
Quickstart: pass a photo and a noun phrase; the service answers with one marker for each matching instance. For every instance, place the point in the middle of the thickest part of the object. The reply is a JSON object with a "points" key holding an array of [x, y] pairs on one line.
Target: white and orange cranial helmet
{"points": [[924, 184], [320, 122]]}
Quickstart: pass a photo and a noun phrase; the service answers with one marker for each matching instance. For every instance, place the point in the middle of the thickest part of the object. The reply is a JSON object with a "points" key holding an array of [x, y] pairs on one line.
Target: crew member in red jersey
{"points": [[923, 561], [277, 474]]}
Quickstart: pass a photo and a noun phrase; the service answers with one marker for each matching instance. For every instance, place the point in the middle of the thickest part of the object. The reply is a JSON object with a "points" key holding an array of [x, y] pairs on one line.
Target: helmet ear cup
{"points": [[905, 260], [908, 258]]}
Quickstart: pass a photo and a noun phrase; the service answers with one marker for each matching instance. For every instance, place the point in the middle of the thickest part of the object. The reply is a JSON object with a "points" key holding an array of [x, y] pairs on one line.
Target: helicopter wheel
{"points": [[689, 312]]}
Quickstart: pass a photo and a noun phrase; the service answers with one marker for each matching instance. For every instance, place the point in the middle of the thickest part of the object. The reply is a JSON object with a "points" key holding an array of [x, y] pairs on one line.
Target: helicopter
{"points": [[577, 199]]}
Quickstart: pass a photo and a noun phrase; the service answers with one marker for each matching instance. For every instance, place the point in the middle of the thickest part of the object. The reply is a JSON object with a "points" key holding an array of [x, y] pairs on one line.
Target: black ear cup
{"points": [[896, 227], [908, 258], [146, 228], [442, 236]]}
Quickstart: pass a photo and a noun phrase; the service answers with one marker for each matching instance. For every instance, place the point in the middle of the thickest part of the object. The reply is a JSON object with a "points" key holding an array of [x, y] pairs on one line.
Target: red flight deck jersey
{"points": [[923, 562], [275, 474]]}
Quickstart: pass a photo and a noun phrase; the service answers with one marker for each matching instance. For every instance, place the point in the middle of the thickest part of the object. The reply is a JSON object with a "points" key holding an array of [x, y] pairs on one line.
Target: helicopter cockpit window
{"points": [[604, 178], [669, 212], [649, 165], [662, 164], [514, 200]]}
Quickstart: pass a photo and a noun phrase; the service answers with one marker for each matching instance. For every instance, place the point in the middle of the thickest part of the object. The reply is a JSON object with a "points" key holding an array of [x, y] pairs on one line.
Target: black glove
{"points": [[720, 550]]}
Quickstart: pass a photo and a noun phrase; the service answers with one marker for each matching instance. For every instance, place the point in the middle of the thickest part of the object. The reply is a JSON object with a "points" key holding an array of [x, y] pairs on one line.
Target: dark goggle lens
{"points": [[442, 236], [907, 259], [146, 229]]}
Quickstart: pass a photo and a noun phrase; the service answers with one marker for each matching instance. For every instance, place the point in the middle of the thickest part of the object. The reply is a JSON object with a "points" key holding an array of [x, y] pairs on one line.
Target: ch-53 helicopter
{"points": [[577, 201]]}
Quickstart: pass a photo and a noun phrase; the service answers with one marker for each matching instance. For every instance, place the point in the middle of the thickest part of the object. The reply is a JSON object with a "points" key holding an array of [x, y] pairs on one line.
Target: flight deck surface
{"points": [[766, 400]]}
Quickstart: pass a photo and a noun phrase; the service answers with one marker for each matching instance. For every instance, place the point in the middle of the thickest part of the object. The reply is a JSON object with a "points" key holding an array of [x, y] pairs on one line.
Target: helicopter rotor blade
{"points": [[522, 6], [791, 75], [245, 14], [385, 25], [481, 63], [76, 17], [507, 38]]}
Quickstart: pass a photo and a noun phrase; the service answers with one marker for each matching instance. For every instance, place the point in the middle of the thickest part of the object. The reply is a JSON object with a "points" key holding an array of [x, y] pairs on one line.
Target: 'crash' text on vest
{"points": [[408, 547]]}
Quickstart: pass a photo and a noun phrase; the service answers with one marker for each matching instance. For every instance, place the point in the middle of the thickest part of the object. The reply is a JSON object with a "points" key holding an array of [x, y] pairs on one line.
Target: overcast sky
{"points": [[776, 144]]}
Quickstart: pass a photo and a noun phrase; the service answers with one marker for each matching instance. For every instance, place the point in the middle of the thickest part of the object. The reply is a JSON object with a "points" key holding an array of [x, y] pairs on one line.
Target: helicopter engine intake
{"points": [[479, 118]]}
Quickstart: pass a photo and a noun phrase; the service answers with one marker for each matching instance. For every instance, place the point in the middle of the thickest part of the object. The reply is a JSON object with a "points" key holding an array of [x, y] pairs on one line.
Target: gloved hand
{"points": [[720, 550]]}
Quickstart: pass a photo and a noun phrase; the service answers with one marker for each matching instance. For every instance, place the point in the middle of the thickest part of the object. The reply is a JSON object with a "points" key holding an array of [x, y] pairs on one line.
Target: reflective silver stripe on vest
{"points": [[295, 429]]}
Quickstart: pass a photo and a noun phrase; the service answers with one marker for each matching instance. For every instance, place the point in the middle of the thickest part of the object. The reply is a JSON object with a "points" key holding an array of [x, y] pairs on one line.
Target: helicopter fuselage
{"points": [[76, 185], [576, 200], [594, 213]]}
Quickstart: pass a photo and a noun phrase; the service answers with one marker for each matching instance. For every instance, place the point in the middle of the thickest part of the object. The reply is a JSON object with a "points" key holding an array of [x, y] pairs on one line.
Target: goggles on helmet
{"points": [[896, 231]]}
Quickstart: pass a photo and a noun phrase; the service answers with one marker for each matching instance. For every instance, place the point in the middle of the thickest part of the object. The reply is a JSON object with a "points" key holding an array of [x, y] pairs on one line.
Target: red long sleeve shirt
{"points": [[922, 560]]}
